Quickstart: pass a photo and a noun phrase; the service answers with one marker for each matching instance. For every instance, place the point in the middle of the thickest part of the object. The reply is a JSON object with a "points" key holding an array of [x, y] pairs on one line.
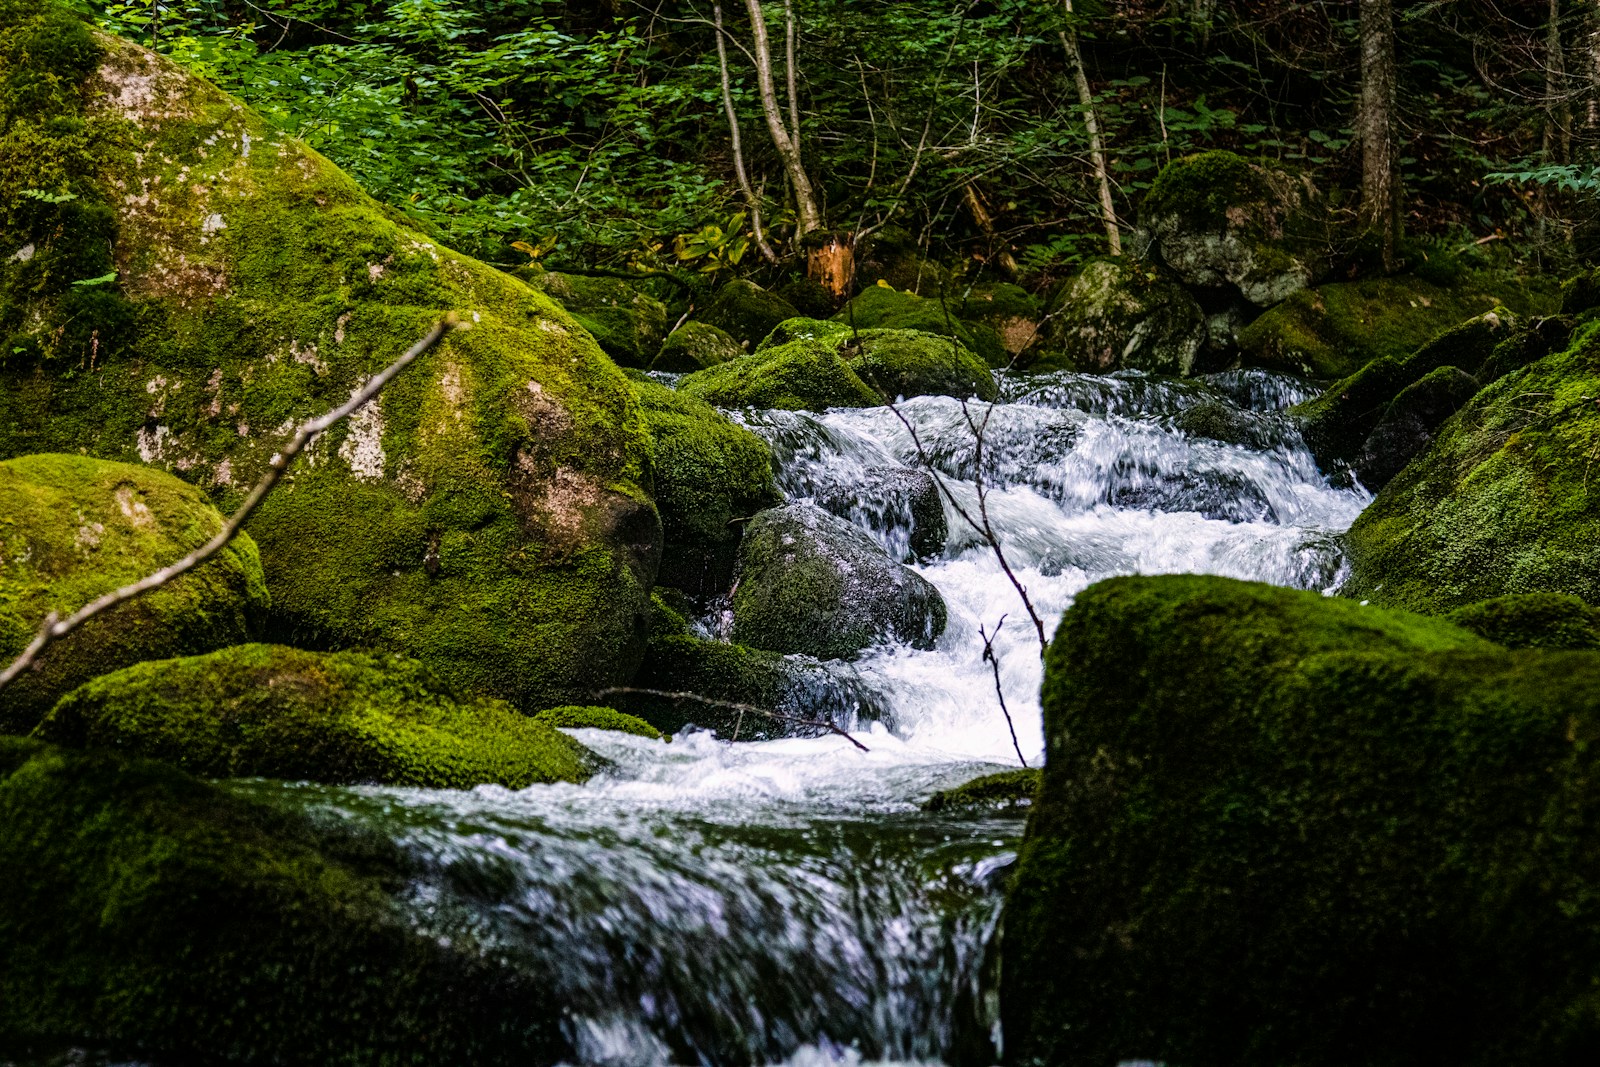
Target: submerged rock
{"points": [[154, 916], [1280, 828], [696, 346], [1220, 221], [1116, 314], [710, 476], [343, 718], [629, 325], [1505, 500], [746, 312], [809, 582], [486, 515], [73, 529]]}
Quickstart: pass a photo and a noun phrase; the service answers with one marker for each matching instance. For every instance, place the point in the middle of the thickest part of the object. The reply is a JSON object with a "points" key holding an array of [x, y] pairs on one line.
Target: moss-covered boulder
{"points": [[810, 582], [900, 506], [336, 717], [573, 717], [1118, 314], [1334, 330], [906, 363], [802, 329], [1222, 222], [1505, 500], [710, 476], [881, 307], [487, 515], [895, 258], [1409, 422], [1009, 310], [746, 312], [73, 529], [630, 326], [1280, 828], [155, 917], [1004, 790], [1556, 621], [1338, 423], [695, 346]]}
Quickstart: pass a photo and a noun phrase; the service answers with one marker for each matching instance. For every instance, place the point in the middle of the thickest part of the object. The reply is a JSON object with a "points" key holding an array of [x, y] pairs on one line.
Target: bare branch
{"points": [[54, 629], [994, 662], [732, 705]]}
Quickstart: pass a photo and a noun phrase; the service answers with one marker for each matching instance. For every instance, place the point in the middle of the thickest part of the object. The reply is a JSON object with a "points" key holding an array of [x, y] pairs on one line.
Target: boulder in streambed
{"points": [[1505, 500], [487, 515], [695, 346], [710, 475], [1555, 621], [826, 368], [1220, 221], [154, 916], [809, 582], [880, 307], [1119, 314], [574, 717], [901, 506], [73, 529], [1276, 827], [630, 326], [342, 718], [746, 312]]}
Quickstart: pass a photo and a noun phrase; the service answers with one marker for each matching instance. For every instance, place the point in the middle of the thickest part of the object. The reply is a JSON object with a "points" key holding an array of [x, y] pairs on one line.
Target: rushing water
{"points": [[785, 901]]}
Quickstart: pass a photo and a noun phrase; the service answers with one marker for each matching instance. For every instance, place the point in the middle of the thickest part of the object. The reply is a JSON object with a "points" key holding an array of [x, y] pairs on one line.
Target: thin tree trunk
{"points": [[1558, 114], [790, 68], [750, 196], [808, 216], [1380, 176], [1091, 123]]}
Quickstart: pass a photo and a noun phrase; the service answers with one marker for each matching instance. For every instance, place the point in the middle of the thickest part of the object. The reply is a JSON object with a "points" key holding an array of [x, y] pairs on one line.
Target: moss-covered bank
{"points": [[73, 529], [340, 718], [1280, 828], [151, 915], [1506, 500], [488, 515]]}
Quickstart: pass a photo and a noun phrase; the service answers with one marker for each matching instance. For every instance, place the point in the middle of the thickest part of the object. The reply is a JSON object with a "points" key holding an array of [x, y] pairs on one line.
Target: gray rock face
{"points": [[1116, 314], [811, 583], [899, 505]]}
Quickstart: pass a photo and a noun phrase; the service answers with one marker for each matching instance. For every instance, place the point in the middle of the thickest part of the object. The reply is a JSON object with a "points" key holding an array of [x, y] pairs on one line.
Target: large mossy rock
{"points": [[1334, 330], [153, 916], [880, 307], [342, 718], [630, 326], [1279, 828], [73, 529], [1505, 500], [746, 312], [1222, 222], [809, 582], [695, 346], [1118, 314], [825, 368], [710, 476], [486, 515], [1009, 310]]}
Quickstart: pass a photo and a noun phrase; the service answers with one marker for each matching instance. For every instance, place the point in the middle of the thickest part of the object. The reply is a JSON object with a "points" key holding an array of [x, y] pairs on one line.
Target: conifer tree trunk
{"points": [[1375, 122]]}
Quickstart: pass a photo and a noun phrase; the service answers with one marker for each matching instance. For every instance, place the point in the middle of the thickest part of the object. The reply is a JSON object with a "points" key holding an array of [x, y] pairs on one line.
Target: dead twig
{"points": [[994, 662], [733, 705], [55, 628]]}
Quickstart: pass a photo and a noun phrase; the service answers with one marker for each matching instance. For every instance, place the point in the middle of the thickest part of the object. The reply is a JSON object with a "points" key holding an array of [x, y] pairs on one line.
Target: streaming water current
{"points": [[785, 901]]}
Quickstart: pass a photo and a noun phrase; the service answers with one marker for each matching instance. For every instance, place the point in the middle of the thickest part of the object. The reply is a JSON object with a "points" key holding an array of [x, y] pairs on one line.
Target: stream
{"points": [[785, 901]]}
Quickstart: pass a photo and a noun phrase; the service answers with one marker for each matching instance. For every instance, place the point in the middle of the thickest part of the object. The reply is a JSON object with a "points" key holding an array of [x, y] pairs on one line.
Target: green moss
{"points": [[802, 330], [1009, 310], [1504, 501], [1006, 789], [746, 311], [1280, 828], [1117, 314], [1332, 331], [1533, 620], [73, 529], [811, 583], [800, 376], [629, 325], [807, 296], [894, 258], [882, 307], [577, 718], [1201, 188], [168, 919], [696, 346], [710, 475], [905, 363], [338, 718], [487, 515]]}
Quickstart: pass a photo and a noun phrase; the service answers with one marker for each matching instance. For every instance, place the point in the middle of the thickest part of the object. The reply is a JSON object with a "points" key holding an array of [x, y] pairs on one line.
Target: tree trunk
{"points": [[1380, 176], [1091, 123], [1000, 257], [739, 171], [1558, 114], [808, 215], [832, 264]]}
